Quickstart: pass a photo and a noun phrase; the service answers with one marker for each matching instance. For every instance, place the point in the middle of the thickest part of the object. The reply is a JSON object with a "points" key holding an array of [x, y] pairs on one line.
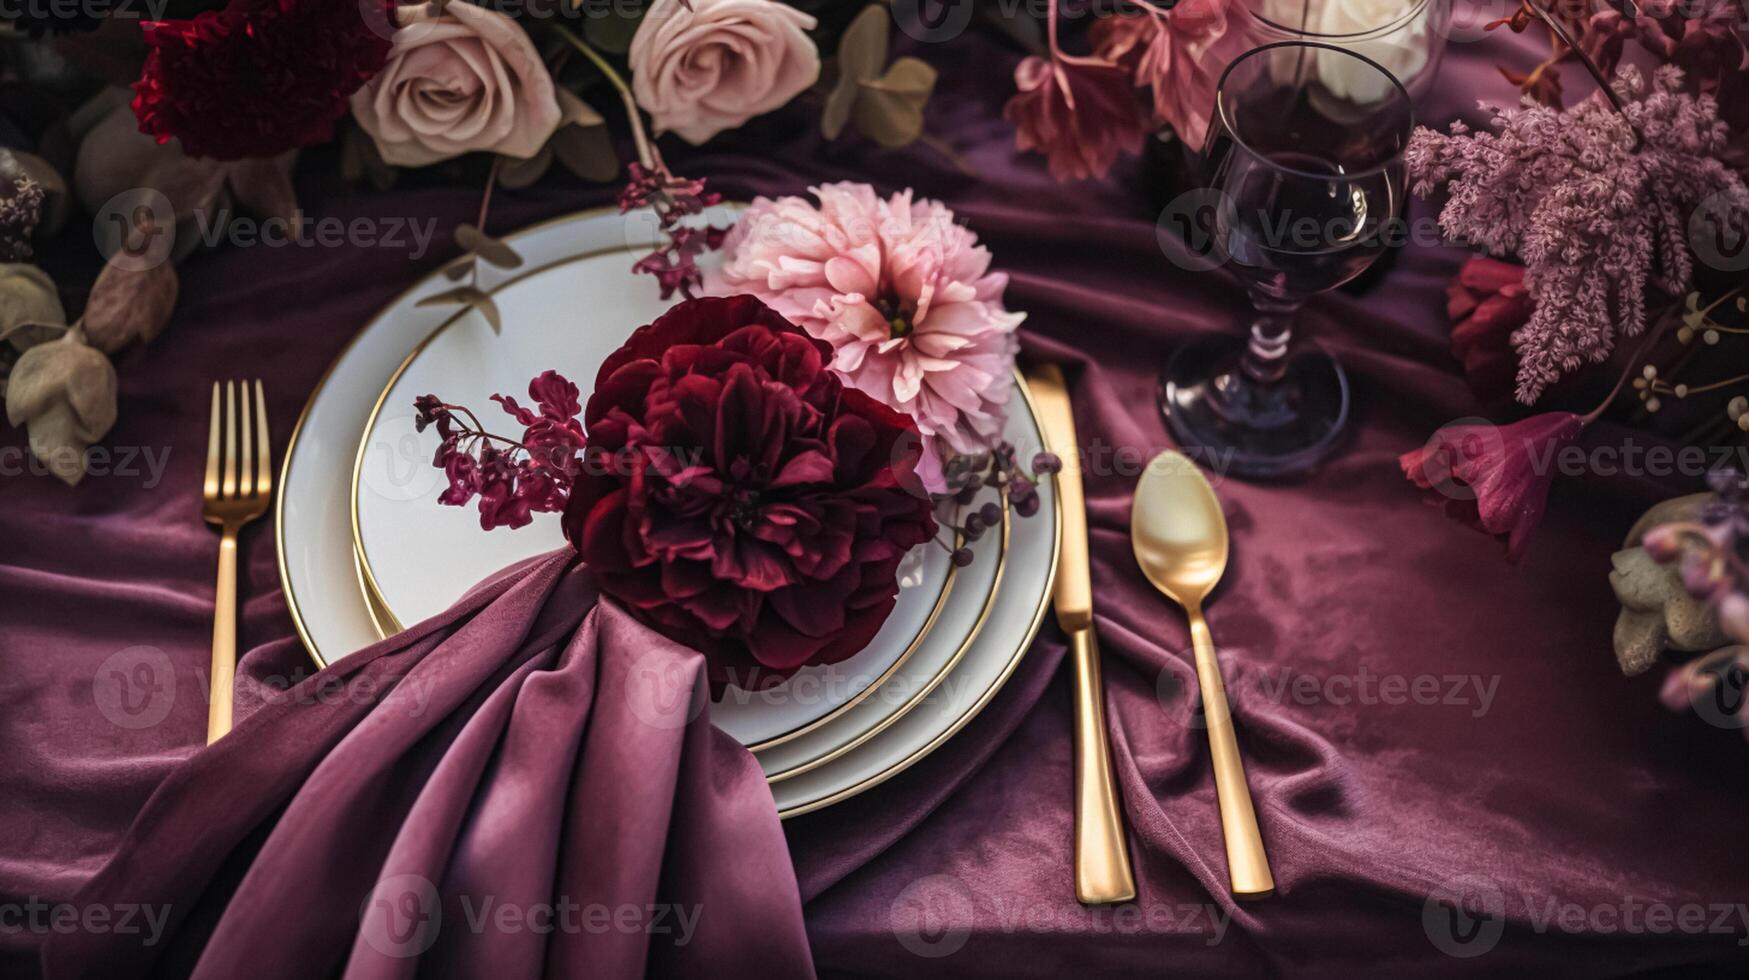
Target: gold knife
{"points": [[1102, 859]]}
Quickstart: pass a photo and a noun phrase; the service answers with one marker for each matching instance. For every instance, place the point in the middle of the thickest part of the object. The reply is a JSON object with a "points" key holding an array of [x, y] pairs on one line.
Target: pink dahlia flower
{"points": [[904, 295]]}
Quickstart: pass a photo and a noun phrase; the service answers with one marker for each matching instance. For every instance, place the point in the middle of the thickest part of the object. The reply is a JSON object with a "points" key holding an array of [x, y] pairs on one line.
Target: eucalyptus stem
{"points": [[647, 154]]}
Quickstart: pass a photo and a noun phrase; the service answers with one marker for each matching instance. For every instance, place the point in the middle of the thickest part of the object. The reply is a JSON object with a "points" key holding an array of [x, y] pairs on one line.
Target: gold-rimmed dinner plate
{"points": [[322, 580], [416, 556]]}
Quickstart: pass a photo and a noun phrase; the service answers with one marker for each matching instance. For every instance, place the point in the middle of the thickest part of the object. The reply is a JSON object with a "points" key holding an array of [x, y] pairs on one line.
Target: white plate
{"points": [[320, 576], [418, 556]]}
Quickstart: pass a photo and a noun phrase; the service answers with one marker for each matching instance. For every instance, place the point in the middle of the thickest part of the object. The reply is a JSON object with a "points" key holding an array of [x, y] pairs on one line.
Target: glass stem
{"points": [[1266, 355]]}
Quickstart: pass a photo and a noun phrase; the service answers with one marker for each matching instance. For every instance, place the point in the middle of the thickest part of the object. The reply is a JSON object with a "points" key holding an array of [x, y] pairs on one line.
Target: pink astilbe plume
{"points": [[1595, 218]]}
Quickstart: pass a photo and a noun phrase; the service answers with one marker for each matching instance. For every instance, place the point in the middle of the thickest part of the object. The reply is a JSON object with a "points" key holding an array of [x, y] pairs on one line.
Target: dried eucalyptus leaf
{"points": [[586, 151], [889, 110], [115, 158], [457, 271], [64, 393], [129, 304], [486, 247], [28, 295], [573, 111], [517, 174], [263, 187], [862, 50], [469, 296], [361, 160]]}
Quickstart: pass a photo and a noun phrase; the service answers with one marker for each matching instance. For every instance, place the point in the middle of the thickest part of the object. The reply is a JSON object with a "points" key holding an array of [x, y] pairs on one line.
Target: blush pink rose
{"points": [[468, 79], [698, 72]]}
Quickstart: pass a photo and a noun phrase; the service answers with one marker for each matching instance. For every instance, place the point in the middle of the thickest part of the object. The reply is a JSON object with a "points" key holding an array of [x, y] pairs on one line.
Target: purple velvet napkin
{"points": [[525, 785]]}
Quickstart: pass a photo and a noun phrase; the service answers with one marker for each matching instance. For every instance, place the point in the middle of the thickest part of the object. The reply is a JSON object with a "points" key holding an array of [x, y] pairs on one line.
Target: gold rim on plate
{"points": [[1001, 680], [316, 656]]}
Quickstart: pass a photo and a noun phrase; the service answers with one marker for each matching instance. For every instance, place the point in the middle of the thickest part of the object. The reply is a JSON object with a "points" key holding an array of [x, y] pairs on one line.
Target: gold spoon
{"points": [[1180, 539]]}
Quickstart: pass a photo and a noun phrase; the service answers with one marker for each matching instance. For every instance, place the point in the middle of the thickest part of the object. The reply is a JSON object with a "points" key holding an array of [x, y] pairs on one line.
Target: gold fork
{"points": [[232, 501]]}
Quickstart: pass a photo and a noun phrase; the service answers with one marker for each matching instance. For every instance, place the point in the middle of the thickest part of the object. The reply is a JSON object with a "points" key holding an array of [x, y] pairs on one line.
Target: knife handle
{"points": [[1102, 858]]}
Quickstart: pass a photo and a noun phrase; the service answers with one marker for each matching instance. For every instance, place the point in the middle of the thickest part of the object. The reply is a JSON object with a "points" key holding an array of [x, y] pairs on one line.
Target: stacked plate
{"points": [[364, 546]]}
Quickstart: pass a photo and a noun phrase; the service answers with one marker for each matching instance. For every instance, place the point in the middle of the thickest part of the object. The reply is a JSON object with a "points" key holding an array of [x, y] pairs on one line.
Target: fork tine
{"points": [[246, 458], [229, 488], [212, 448], [263, 458]]}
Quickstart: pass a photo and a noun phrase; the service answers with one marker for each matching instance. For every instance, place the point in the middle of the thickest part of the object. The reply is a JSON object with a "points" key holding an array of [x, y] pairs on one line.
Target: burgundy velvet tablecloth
{"points": [[1423, 723]]}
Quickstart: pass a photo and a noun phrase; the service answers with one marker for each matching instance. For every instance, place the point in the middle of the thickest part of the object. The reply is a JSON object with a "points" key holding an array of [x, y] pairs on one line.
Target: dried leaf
{"points": [[890, 109], [361, 160], [494, 251], [64, 393], [587, 151], [129, 303], [862, 51], [457, 271], [472, 297], [517, 174], [28, 295], [263, 187], [573, 111]]}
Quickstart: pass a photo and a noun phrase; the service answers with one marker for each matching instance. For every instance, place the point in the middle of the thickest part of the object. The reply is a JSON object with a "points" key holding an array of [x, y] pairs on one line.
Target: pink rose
{"points": [[698, 72], [466, 80]]}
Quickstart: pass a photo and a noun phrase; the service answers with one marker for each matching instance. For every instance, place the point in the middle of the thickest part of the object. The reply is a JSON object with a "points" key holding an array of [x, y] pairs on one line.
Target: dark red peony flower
{"points": [[736, 496], [259, 77], [1487, 302], [1494, 478]]}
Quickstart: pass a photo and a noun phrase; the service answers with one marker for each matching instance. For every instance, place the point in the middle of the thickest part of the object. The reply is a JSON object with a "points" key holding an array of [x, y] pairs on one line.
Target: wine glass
{"points": [[1306, 185]]}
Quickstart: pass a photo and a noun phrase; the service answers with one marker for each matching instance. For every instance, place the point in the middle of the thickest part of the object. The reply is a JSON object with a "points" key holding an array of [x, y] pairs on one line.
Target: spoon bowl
{"points": [[1180, 539], [1178, 530]]}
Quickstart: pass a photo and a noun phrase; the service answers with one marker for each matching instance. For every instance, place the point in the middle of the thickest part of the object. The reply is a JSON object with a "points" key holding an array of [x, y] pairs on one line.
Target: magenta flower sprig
{"points": [[674, 262], [513, 478], [968, 475]]}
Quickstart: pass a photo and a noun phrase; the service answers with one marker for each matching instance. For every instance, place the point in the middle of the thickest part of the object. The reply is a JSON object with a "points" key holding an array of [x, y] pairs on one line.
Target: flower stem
{"points": [[647, 154], [1572, 44]]}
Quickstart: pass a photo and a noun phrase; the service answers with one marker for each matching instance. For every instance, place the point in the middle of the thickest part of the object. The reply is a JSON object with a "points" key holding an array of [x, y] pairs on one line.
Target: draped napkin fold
{"points": [[524, 785]]}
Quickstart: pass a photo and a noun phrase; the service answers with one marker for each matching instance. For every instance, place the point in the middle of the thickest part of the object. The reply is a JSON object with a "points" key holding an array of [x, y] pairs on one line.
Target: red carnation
{"points": [[259, 77], [738, 497]]}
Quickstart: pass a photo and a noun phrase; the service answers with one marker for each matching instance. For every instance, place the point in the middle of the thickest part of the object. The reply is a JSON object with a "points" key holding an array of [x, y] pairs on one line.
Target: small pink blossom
{"points": [[904, 295]]}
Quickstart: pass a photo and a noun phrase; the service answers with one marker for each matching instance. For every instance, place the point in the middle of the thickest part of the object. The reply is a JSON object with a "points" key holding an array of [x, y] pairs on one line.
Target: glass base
{"points": [[1233, 425]]}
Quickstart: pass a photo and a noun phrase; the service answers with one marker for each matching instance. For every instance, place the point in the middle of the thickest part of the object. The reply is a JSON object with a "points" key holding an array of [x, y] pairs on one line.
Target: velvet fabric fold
{"points": [[527, 785]]}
